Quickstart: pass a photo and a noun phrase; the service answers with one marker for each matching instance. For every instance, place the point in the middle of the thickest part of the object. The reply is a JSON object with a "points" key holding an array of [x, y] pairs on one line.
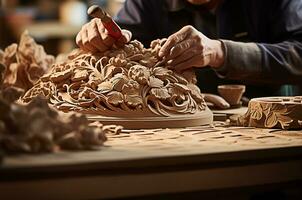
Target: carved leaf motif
{"points": [[136, 57], [79, 75], [61, 76], [176, 92], [155, 82], [284, 120], [160, 71], [195, 91], [181, 79], [149, 61], [108, 71], [133, 100], [256, 111], [277, 114], [115, 98], [118, 81], [271, 120], [105, 87], [164, 74], [266, 108], [118, 62], [131, 88], [85, 93], [160, 93], [181, 87]]}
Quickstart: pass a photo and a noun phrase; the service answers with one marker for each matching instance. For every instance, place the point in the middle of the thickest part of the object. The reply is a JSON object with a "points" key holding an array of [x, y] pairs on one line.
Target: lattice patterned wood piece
{"points": [[196, 137], [202, 141]]}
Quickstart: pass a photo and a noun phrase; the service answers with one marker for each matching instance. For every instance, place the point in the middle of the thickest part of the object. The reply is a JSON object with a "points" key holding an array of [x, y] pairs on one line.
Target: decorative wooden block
{"points": [[273, 112]]}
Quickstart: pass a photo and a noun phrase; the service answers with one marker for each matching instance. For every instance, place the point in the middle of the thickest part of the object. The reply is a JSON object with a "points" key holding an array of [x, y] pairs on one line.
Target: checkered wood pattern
{"points": [[218, 134]]}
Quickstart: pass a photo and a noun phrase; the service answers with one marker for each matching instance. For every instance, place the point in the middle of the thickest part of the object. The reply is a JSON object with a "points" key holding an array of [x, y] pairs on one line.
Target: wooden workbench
{"points": [[149, 162]]}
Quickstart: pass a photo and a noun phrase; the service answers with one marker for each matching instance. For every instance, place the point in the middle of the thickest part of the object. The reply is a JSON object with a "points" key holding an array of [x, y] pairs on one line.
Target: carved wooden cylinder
{"points": [[273, 112]]}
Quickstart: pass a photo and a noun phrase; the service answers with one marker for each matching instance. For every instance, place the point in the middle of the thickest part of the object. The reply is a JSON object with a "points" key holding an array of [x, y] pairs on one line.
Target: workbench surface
{"points": [[145, 162]]}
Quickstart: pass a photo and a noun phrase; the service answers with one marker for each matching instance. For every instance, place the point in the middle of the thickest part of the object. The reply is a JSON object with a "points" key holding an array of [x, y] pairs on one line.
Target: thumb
{"points": [[218, 101], [126, 37]]}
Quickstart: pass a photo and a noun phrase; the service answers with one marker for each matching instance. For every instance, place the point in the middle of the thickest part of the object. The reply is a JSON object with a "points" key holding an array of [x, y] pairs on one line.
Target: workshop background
{"points": [[54, 24]]}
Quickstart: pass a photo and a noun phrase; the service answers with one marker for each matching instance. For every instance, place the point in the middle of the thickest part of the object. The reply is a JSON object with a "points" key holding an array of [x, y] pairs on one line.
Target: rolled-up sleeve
{"points": [[242, 60]]}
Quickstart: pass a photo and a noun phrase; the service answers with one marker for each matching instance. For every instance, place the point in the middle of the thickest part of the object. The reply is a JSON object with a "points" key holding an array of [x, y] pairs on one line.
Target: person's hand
{"points": [[216, 101], [190, 48], [93, 37]]}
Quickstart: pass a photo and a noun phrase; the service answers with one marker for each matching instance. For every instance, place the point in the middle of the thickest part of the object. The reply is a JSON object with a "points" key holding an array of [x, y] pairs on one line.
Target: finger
{"points": [[108, 39], [85, 39], [174, 39], [194, 61], [183, 57], [216, 100], [180, 48], [126, 37], [95, 38], [79, 41]]}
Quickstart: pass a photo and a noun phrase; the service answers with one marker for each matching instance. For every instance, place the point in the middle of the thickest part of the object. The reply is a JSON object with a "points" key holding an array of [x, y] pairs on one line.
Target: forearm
{"points": [[241, 60], [277, 63]]}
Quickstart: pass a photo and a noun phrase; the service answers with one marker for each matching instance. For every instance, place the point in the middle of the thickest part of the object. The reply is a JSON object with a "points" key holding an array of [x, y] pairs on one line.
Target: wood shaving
{"points": [[25, 63], [36, 128]]}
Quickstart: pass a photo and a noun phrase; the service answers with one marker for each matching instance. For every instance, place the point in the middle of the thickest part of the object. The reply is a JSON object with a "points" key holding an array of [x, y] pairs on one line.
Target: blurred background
{"points": [[52, 23]]}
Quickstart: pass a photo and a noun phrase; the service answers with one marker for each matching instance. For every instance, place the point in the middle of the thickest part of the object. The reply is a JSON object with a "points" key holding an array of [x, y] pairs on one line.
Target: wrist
{"points": [[218, 54]]}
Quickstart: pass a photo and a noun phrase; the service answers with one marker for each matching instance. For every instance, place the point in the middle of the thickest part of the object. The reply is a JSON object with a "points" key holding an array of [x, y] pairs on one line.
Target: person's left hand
{"points": [[190, 48]]}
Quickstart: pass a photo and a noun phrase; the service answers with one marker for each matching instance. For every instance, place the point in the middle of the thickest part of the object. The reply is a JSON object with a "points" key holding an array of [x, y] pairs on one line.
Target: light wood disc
{"points": [[177, 121]]}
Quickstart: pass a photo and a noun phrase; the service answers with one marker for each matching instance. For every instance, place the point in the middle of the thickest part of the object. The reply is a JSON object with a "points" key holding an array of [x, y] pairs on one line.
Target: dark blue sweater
{"points": [[273, 27]]}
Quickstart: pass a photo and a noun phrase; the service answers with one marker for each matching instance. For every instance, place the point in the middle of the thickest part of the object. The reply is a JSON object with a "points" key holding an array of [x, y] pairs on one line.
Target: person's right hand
{"points": [[93, 37]]}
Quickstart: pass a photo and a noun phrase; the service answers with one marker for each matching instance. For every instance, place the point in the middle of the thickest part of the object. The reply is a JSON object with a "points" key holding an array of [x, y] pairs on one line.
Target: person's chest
{"points": [[238, 20], [171, 22], [244, 20]]}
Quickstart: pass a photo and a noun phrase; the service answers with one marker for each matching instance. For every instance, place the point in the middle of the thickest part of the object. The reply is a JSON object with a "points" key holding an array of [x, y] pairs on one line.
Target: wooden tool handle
{"points": [[113, 29]]}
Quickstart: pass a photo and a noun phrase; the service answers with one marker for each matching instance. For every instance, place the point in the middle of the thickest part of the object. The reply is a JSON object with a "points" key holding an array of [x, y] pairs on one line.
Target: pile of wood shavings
{"points": [[24, 63], [36, 127]]}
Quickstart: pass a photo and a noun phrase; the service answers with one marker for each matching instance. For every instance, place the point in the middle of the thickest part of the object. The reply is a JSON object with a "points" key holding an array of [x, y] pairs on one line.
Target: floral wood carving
{"points": [[35, 128], [25, 63], [273, 112], [130, 81]]}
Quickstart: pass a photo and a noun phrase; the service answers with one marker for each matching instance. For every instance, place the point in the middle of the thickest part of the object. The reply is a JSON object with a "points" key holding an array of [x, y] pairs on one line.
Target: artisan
{"points": [[257, 43]]}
